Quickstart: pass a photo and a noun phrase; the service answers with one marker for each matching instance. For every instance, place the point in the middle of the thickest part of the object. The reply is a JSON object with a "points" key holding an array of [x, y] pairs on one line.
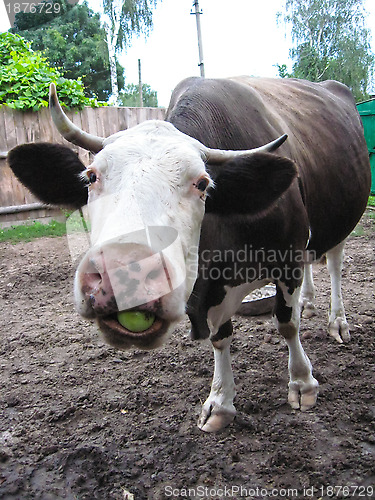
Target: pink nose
{"points": [[118, 277]]}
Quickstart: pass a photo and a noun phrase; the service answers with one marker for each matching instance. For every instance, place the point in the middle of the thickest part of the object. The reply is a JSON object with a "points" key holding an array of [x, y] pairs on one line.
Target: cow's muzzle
{"points": [[129, 277]]}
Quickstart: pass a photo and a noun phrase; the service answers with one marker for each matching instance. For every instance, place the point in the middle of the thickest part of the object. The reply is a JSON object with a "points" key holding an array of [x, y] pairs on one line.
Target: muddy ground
{"points": [[80, 420]]}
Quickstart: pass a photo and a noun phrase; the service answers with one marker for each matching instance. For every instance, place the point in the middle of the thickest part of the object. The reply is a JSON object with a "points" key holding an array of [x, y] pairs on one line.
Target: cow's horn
{"points": [[67, 129], [220, 155]]}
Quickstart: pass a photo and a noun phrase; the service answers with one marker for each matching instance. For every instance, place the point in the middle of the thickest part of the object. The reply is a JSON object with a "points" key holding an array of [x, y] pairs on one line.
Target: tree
{"points": [[122, 19], [73, 40], [130, 96], [25, 76], [332, 42]]}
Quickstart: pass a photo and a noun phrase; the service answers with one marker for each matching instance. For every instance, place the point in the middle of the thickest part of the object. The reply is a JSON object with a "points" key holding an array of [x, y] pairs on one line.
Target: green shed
{"points": [[366, 110]]}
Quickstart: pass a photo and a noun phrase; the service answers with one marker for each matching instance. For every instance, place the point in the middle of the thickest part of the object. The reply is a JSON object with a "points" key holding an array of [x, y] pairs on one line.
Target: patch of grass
{"points": [[29, 232], [371, 201], [358, 231]]}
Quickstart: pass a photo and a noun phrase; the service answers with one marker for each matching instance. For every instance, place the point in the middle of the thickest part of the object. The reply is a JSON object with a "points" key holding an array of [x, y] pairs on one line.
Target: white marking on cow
{"points": [[309, 238], [218, 410], [303, 387], [220, 314]]}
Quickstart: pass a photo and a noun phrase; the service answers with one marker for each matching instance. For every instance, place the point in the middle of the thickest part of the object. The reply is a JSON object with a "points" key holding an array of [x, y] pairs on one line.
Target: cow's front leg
{"points": [[338, 327], [303, 387], [218, 410]]}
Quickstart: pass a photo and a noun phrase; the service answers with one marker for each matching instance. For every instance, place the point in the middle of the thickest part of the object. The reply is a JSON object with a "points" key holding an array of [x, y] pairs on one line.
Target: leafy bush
{"points": [[25, 77], [130, 96]]}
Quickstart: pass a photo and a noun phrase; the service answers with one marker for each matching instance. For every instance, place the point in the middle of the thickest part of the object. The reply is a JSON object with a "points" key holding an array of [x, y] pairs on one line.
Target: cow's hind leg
{"points": [[338, 327], [218, 410], [303, 388], [307, 297]]}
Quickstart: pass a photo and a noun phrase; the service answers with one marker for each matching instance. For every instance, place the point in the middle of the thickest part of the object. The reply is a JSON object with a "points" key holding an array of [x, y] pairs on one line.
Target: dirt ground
{"points": [[80, 420]]}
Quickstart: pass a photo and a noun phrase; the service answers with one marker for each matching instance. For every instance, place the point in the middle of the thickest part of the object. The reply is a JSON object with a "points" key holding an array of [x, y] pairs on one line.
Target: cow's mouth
{"points": [[122, 338]]}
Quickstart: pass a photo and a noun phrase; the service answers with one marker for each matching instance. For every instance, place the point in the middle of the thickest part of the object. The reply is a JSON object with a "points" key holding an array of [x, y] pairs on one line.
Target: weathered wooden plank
{"points": [[6, 186], [134, 117], [91, 119], [11, 191], [7, 220], [124, 114], [45, 125], [103, 125], [112, 116], [9, 128], [3, 139], [16, 209], [31, 126]]}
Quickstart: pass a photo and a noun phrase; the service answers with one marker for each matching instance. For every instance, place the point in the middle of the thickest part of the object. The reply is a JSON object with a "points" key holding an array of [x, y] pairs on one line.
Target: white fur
{"points": [[218, 410], [220, 314]]}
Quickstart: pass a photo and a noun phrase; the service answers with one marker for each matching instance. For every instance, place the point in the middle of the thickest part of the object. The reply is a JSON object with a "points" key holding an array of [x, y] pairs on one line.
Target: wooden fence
{"points": [[16, 127]]}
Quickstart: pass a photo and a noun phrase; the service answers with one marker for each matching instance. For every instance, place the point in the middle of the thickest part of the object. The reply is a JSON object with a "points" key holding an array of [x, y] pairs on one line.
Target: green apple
{"points": [[135, 321]]}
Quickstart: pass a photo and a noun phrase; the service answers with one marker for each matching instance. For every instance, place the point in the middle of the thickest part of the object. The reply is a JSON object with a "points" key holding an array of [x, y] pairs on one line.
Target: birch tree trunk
{"points": [[112, 28]]}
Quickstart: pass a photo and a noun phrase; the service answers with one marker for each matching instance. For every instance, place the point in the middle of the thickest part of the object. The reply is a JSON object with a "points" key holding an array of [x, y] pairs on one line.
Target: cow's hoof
{"points": [[302, 396], [308, 309], [214, 418], [339, 330]]}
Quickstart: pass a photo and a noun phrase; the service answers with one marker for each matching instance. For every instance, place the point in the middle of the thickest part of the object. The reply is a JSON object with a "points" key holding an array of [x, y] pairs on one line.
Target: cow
{"points": [[246, 182]]}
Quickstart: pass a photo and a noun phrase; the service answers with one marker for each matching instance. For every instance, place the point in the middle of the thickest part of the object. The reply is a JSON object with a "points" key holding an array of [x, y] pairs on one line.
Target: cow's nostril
{"points": [[93, 280]]}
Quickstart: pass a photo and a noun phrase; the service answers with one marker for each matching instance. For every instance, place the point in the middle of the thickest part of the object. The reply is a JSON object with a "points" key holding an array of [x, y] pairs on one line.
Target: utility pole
{"points": [[197, 15], [140, 84]]}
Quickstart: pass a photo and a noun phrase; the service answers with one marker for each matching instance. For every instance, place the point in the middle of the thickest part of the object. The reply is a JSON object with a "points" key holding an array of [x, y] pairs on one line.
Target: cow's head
{"points": [[147, 191]]}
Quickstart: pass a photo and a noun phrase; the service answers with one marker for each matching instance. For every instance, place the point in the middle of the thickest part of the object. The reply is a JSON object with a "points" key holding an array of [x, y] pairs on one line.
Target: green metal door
{"points": [[367, 112]]}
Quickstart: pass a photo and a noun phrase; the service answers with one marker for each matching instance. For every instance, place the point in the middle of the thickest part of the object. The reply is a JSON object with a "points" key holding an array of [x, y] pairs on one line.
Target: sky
{"points": [[238, 37]]}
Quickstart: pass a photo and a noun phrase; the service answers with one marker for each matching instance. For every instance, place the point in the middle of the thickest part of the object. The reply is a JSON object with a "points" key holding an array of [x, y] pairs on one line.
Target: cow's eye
{"points": [[91, 176], [202, 184]]}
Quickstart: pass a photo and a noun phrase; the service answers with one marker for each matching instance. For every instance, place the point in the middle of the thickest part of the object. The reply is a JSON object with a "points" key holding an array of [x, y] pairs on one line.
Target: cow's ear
{"points": [[249, 184], [50, 172]]}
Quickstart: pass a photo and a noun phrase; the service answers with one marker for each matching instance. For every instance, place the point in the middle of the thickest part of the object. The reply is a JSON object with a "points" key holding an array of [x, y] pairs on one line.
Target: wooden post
{"points": [[140, 84]]}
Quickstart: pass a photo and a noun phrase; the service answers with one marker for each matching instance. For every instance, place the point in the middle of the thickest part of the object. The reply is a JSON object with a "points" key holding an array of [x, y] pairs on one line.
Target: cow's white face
{"points": [[146, 204]]}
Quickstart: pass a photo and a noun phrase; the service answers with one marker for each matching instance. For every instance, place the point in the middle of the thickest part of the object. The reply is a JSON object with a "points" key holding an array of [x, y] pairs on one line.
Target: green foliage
{"points": [[283, 71], [135, 18], [130, 96], [371, 201], [332, 42], [29, 232], [25, 76], [74, 42]]}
